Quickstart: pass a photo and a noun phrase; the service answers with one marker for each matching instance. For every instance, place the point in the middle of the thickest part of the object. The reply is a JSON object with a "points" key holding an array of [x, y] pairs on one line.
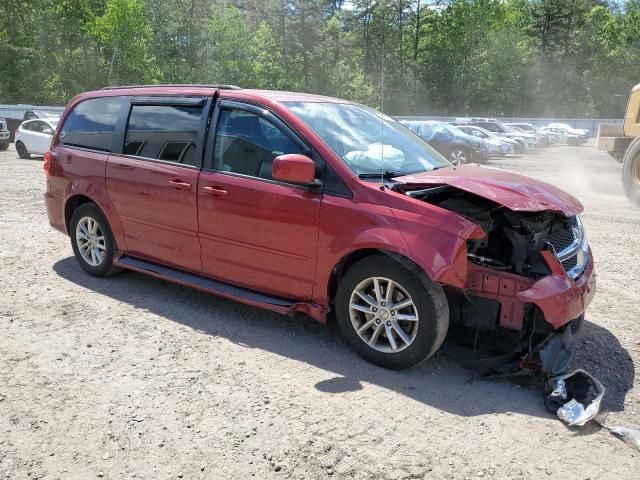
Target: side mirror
{"points": [[294, 168], [47, 131]]}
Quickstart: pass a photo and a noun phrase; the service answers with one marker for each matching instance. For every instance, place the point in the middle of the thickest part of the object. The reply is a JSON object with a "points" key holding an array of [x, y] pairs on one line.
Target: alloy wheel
{"points": [[458, 157], [383, 314], [90, 240], [636, 171]]}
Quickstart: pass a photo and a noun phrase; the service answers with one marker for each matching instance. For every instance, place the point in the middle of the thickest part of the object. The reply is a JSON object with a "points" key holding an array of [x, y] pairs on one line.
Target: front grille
{"points": [[561, 239], [569, 263]]}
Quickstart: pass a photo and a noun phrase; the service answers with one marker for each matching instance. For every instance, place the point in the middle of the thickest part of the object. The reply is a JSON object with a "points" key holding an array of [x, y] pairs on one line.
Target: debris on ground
{"points": [[575, 397]]}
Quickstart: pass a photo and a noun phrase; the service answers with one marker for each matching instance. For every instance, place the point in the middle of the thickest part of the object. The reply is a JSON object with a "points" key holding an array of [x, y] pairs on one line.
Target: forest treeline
{"points": [[564, 58]]}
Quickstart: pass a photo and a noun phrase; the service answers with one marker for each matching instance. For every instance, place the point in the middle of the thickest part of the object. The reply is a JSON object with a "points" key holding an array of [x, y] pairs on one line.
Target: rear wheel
{"points": [[22, 150], [390, 314], [92, 240], [631, 173]]}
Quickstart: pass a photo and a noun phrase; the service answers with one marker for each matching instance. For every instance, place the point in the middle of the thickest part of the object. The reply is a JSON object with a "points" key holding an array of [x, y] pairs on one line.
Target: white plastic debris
{"points": [[584, 394]]}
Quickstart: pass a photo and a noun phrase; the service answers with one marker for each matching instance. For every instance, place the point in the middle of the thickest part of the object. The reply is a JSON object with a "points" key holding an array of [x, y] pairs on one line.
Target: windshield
{"points": [[366, 140]]}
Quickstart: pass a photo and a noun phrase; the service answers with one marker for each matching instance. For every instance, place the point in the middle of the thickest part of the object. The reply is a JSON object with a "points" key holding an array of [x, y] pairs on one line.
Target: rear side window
{"points": [[91, 124], [164, 132]]}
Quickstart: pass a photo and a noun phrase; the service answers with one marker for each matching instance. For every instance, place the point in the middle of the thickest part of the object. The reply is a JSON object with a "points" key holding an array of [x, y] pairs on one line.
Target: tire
{"points": [[631, 172], [459, 156], [90, 264], [423, 336], [22, 151], [4, 145], [573, 142], [519, 148]]}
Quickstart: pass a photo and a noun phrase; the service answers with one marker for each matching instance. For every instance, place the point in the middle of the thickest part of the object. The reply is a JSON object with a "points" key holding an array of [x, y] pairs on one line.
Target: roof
{"points": [[189, 89]]}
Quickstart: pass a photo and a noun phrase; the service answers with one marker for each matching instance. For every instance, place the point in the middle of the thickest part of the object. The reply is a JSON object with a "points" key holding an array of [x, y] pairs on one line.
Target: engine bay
{"points": [[515, 240]]}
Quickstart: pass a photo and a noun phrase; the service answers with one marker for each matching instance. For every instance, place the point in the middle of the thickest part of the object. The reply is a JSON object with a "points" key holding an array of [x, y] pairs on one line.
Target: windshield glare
{"points": [[366, 140]]}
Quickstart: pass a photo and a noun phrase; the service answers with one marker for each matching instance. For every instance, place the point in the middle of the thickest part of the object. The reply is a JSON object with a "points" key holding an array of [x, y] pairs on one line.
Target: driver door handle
{"points": [[218, 192]]}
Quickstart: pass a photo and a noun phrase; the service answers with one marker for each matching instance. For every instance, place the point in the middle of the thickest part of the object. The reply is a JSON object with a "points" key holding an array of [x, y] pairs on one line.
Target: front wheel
{"points": [[92, 240], [391, 315], [22, 151], [4, 145], [459, 157]]}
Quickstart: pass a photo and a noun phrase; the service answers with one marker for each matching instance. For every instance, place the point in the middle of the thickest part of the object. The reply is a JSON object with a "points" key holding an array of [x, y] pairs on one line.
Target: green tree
{"points": [[267, 61], [125, 34]]}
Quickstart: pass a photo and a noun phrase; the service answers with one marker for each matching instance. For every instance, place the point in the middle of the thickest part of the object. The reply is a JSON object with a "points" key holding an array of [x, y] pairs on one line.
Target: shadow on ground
{"points": [[439, 382]]}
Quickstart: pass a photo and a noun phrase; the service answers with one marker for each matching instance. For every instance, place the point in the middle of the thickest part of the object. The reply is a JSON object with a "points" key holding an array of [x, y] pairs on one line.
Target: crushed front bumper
{"points": [[560, 298]]}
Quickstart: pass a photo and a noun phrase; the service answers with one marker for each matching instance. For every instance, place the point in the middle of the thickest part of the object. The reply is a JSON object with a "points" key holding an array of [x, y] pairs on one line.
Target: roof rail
{"points": [[221, 87]]}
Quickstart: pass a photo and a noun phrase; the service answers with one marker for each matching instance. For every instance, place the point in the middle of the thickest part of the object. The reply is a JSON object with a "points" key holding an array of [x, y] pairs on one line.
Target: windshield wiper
{"points": [[387, 174]]}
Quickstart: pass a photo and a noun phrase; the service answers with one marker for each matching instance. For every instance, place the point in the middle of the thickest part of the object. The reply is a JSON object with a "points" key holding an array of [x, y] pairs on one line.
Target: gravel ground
{"points": [[132, 377]]}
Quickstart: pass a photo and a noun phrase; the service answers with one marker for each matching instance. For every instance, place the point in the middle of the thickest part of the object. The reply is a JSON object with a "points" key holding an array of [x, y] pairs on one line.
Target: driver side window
{"points": [[247, 143]]}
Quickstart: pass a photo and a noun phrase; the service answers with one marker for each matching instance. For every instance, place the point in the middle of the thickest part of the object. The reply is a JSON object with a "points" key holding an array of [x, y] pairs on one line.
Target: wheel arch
{"points": [[350, 259], [81, 198], [73, 203]]}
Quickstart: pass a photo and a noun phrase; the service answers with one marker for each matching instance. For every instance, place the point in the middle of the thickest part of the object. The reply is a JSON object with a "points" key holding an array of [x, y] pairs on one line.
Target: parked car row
{"points": [[463, 141], [476, 139], [451, 142]]}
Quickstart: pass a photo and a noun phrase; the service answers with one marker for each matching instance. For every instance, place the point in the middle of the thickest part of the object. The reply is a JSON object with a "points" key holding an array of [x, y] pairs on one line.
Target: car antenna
{"points": [[382, 104]]}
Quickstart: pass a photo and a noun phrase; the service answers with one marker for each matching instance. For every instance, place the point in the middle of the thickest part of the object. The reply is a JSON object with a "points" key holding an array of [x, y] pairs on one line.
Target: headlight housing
{"points": [[575, 257]]}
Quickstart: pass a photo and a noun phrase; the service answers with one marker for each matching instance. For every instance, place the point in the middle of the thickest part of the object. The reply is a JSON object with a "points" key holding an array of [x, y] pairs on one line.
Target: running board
{"points": [[201, 283]]}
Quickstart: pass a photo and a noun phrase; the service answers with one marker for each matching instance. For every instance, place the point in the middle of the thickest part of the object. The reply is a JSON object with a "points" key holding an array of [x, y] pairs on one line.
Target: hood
{"points": [[511, 190], [508, 140], [475, 141]]}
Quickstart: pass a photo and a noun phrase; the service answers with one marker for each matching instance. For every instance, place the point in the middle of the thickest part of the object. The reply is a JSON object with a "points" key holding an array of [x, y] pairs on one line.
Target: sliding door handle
{"points": [[216, 191], [180, 185]]}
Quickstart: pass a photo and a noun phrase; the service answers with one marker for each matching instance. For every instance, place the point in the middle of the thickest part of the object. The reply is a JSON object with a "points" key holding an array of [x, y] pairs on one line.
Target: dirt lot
{"points": [[132, 377]]}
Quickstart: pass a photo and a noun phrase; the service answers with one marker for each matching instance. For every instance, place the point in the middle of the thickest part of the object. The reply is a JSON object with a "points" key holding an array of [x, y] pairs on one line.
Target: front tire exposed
{"points": [[92, 240], [4, 145], [22, 151], [631, 173], [391, 314]]}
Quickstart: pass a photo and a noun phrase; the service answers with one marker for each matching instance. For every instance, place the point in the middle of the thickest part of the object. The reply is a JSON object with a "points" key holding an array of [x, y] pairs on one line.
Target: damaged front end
{"points": [[531, 274]]}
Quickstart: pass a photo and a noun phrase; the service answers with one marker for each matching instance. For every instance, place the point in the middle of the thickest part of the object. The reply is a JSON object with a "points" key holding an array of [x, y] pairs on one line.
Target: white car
{"points": [[569, 129], [33, 137], [565, 136]]}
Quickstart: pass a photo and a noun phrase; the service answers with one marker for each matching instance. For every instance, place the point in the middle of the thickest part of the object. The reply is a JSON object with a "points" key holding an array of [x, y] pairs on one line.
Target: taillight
{"points": [[46, 166]]}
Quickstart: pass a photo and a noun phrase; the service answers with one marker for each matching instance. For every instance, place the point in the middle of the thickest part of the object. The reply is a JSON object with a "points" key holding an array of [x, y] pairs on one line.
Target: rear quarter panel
{"points": [[82, 172]]}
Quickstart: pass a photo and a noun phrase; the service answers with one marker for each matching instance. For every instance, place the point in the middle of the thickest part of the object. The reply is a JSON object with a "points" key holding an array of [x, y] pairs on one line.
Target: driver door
{"points": [[255, 231]]}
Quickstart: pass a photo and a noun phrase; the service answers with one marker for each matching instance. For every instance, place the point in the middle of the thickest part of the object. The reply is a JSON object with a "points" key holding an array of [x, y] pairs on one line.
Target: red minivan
{"points": [[302, 203]]}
